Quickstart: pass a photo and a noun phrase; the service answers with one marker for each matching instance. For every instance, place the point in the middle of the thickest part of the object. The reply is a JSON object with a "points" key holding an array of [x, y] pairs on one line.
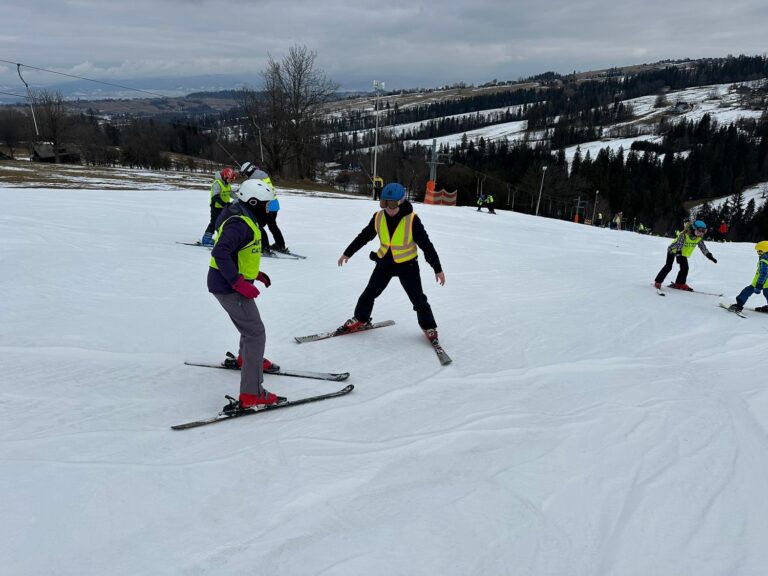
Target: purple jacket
{"points": [[234, 236]]}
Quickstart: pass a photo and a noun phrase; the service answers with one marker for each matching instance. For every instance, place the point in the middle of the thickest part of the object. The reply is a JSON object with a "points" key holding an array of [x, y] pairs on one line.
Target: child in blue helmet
{"points": [[759, 282], [680, 250], [400, 232]]}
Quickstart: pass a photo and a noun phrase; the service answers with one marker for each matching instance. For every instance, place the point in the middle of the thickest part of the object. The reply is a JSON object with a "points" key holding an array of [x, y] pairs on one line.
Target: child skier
{"points": [[220, 196], [400, 231], [680, 250], [234, 266], [759, 282]]}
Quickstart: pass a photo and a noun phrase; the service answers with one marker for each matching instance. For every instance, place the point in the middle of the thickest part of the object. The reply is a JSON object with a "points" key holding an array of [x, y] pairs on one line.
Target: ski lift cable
{"points": [[19, 65]]}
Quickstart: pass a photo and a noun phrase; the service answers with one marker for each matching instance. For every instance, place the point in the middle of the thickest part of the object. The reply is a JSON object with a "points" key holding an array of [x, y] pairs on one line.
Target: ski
{"points": [[194, 244], [332, 376], [289, 253], [441, 354], [695, 291], [659, 292], [281, 255], [221, 417], [324, 335], [723, 306], [273, 254]]}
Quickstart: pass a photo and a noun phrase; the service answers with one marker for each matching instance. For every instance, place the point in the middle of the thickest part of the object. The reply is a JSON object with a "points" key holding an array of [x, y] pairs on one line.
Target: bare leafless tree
{"points": [[284, 114], [53, 117]]}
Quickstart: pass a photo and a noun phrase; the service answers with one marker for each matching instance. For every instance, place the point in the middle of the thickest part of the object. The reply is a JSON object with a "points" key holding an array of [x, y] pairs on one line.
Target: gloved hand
{"points": [[245, 288], [264, 279], [757, 289], [712, 258]]}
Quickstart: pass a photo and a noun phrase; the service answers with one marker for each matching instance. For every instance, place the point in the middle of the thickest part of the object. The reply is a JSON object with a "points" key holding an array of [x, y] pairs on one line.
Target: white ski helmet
{"points": [[247, 169], [255, 190]]}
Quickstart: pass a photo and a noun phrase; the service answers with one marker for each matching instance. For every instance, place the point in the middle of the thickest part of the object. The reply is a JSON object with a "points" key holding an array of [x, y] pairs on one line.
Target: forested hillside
{"points": [[649, 142]]}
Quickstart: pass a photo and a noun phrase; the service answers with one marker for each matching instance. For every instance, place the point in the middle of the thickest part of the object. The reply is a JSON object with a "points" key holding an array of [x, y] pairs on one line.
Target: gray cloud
{"points": [[405, 43]]}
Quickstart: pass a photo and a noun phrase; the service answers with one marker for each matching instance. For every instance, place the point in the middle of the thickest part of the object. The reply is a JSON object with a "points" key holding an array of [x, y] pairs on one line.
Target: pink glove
{"points": [[245, 288], [264, 279]]}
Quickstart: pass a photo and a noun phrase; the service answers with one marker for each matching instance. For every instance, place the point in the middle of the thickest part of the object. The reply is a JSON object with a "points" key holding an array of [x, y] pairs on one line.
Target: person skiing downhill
{"points": [[400, 232], [680, 250], [221, 190], [234, 265], [759, 282]]}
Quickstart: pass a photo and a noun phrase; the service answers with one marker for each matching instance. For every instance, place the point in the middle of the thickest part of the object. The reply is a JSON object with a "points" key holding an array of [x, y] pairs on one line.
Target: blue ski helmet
{"points": [[393, 191], [699, 225]]}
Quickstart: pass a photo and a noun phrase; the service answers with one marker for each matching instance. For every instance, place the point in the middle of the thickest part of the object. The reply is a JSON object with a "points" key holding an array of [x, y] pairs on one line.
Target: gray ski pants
{"points": [[246, 318]]}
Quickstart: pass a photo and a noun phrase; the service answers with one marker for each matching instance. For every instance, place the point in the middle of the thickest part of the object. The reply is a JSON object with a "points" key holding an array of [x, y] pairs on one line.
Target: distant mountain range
{"points": [[138, 87]]}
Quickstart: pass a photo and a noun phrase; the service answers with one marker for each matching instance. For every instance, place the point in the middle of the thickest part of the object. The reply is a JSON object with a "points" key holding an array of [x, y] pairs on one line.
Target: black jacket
{"points": [[419, 236]]}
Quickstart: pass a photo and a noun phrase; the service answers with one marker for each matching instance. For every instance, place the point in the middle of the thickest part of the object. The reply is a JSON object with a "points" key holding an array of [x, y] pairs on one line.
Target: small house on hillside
{"points": [[44, 152], [681, 108]]}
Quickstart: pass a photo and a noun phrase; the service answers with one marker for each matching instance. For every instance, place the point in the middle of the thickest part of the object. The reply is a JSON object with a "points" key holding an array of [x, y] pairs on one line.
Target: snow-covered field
{"points": [[586, 426]]}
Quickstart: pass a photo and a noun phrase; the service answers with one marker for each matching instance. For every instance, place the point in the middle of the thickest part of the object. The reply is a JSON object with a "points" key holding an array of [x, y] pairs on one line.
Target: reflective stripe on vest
{"points": [[689, 244], [225, 192], [763, 259], [249, 256], [401, 242]]}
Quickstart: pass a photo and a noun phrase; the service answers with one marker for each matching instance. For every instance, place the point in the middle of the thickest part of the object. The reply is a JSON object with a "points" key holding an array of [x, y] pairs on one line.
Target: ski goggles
{"points": [[392, 204]]}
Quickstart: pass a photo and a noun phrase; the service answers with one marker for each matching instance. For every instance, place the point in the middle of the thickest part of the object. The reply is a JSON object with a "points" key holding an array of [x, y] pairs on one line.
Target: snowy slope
{"points": [[587, 426]]}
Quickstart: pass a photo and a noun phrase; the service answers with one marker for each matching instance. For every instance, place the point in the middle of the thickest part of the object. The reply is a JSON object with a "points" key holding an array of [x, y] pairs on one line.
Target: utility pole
{"points": [[594, 208], [543, 171], [434, 161], [377, 87]]}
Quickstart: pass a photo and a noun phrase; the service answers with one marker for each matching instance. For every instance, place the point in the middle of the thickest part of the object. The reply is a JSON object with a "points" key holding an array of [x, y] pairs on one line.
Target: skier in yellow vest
{"points": [[221, 195], [400, 232], [681, 249], [234, 266]]}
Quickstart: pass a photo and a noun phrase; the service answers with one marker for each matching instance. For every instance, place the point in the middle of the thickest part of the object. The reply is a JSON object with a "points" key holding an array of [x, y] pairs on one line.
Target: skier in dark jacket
{"points": [[234, 265], [400, 232]]}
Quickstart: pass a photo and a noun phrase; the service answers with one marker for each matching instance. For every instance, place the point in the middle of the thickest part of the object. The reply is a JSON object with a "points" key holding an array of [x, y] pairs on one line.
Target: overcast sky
{"points": [[404, 43]]}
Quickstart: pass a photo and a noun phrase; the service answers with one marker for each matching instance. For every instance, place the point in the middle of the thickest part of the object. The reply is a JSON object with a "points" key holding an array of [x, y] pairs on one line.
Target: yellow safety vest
{"points": [[689, 244], [764, 258], [225, 192], [249, 256], [401, 242]]}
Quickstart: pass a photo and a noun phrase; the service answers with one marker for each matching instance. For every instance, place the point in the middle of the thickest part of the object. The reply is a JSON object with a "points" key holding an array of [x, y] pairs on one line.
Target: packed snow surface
{"points": [[587, 426]]}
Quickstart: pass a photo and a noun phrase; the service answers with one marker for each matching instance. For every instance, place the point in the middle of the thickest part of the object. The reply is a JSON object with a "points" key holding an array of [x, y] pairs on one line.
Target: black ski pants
{"points": [[682, 275], [271, 223], [214, 216], [410, 280]]}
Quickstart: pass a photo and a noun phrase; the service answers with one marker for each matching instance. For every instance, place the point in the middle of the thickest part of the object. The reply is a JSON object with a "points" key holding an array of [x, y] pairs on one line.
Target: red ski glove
{"points": [[264, 279], [245, 288]]}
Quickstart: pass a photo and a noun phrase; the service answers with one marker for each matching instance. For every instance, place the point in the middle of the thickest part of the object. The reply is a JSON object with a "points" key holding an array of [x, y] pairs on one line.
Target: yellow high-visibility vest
{"points": [[401, 242], [249, 256]]}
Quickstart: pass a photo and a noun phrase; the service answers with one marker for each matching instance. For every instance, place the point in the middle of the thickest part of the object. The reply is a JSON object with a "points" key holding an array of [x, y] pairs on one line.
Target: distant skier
{"points": [[221, 190], [400, 232], [680, 250], [269, 220], [722, 231], [234, 265], [487, 201], [759, 282]]}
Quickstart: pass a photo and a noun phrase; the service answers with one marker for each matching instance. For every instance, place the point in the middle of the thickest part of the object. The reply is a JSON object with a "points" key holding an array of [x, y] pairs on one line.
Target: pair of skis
{"points": [[739, 312], [442, 355], [660, 292], [272, 254]]}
